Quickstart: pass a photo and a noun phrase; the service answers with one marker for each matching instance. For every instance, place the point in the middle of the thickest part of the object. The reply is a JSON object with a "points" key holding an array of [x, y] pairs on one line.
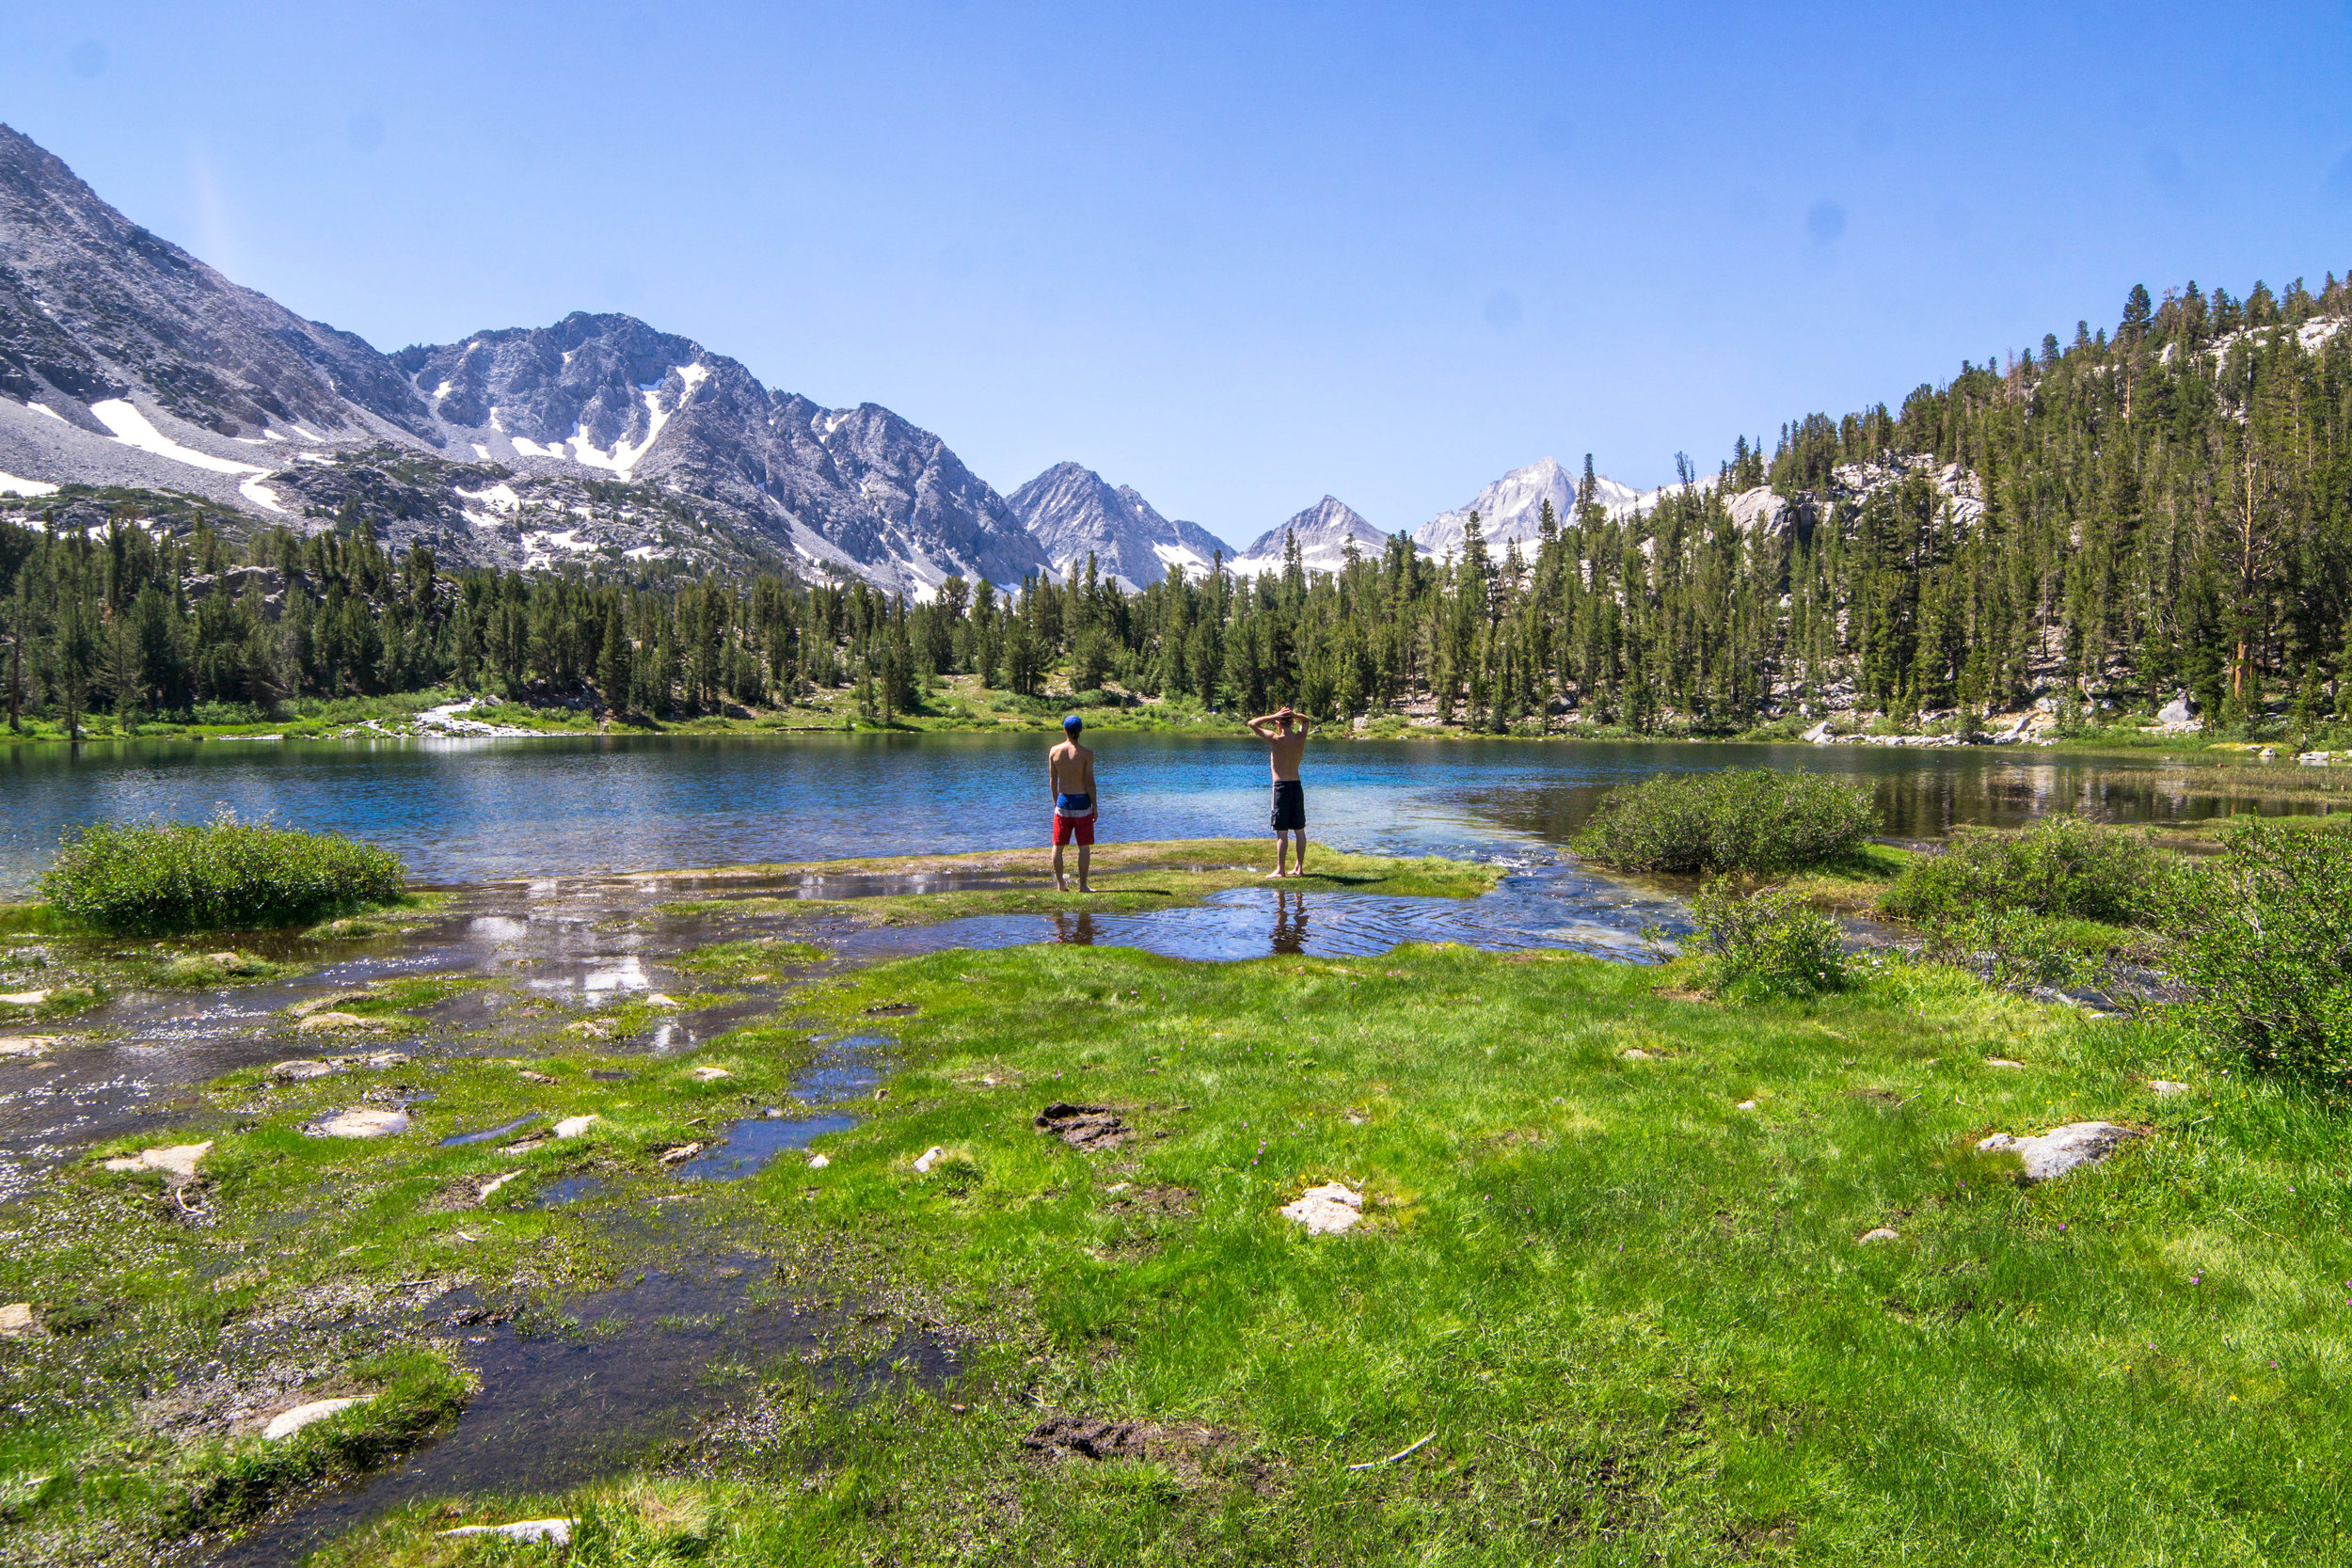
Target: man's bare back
{"points": [[1069, 776], [1284, 733]]}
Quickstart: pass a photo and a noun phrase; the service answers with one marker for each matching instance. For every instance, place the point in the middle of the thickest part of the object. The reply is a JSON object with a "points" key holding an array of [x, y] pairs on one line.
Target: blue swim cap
{"points": [[1073, 723]]}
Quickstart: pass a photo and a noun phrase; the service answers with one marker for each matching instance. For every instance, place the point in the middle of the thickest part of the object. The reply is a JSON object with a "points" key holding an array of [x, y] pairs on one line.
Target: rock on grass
{"points": [[2052, 1154]]}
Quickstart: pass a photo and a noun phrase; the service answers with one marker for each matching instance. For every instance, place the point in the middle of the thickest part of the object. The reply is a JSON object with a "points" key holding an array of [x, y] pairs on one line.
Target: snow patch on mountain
{"points": [[1512, 507], [1323, 530]]}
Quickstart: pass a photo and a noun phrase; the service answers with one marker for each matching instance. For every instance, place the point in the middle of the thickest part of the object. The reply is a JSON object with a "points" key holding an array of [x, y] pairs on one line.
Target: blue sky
{"points": [[1236, 256]]}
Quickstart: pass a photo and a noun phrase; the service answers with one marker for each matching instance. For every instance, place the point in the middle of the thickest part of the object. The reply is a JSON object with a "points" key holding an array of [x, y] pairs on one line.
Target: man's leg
{"points": [[1060, 885], [1086, 853], [1302, 852], [1281, 853]]}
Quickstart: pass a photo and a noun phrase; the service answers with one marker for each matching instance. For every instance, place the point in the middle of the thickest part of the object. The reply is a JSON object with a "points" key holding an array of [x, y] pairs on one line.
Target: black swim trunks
{"points": [[1290, 805]]}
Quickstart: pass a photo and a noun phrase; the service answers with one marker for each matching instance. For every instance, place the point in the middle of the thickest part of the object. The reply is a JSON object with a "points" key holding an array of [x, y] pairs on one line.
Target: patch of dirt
{"points": [[1876, 1096], [1062, 1437], [1155, 1200], [890, 1009], [1084, 1127]]}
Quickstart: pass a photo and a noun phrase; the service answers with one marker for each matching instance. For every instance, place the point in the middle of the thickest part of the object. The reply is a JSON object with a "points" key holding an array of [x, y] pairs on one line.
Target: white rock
{"points": [[317, 1023], [1870, 1238], [16, 1321], [363, 1123], [710, 1074], [557, 1531], [572, 1127], [2165, 1086], [657, 1000], [296, 1071], [28, 1045], [495, 1184], [287, 1422], [2001, 1061], [1635, 1053], [179, 1159], [2179, 711], [24, 998], [386, 1058], [925, 1160], [1747, 1105], [1325, 1211], [817, 1161], [2061, 1148]]}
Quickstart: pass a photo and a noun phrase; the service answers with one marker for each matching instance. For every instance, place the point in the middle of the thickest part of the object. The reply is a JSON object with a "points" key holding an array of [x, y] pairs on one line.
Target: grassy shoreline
{"points": [[962, 706]]}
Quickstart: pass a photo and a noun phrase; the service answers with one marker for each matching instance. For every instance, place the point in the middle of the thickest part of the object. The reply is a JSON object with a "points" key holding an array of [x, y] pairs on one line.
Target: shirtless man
{"points": [[1284, 733], [1070, 774]]}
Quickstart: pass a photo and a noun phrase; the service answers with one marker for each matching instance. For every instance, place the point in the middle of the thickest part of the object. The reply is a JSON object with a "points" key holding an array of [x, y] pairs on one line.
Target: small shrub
{"points": [[2012, 948], [1771, 940], [221, 874], [1748, 820], [2061, 867], [2265, 948]]}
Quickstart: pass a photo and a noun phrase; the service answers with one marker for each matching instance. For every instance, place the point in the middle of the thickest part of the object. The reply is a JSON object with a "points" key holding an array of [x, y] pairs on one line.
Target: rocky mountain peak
{"points": [[1075, 512]]}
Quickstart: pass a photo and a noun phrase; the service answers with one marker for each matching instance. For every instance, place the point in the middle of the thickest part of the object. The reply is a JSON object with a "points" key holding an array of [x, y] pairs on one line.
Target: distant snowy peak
{"points": [[857, 490], [1323, 531], [1075, 512], [1512, 507]]}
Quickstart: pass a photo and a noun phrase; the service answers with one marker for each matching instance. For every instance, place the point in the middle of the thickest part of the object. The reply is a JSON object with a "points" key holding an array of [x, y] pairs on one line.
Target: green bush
{"points": [[2014, 949], [222, 875], [2265, 948], [1749, 820], [2061, 867], [1772, 942]]}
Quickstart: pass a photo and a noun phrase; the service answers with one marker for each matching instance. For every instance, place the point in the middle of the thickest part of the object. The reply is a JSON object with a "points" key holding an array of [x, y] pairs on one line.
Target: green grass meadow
{"points": [[1636, 1317]]}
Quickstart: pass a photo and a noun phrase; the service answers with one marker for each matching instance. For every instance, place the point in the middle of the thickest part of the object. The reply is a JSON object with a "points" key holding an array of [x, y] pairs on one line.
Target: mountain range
{"points": [[126, 362]]}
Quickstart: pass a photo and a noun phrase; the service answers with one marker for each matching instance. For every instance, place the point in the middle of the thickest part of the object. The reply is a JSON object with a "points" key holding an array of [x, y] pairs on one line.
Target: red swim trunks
{"points": [[1072, 830]]}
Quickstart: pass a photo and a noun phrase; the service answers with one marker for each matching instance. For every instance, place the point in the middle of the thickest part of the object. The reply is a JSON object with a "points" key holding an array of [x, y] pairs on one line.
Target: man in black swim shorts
{"points": [[1285, 734]]}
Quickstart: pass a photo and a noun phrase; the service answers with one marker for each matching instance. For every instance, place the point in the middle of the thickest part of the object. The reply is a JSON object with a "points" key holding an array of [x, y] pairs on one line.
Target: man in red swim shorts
{"points": [[1070, 774]]}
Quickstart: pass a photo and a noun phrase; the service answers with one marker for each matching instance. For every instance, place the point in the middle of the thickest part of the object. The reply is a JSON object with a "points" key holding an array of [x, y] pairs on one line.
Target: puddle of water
{"points": [[754, 1141], [568, 1189], [488, 1133], [565, 1407]]}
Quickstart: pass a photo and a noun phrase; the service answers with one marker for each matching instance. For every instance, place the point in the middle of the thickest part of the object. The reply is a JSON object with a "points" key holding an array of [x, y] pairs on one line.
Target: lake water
{"points": [[466, 811]]}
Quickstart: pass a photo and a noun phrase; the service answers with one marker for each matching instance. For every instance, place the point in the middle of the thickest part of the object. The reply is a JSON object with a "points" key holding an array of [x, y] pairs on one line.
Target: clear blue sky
{"points": [[1236, 255]]}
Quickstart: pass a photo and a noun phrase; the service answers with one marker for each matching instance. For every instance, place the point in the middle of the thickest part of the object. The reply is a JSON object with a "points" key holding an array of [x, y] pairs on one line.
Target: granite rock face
{"points": [[1075, 513]]}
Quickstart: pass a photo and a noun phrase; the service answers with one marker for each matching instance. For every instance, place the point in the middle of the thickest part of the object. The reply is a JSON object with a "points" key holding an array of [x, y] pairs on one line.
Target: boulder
{"points": [[1327, 1210], [16, 1320], [572, 1127], [24, 998], [555, 1532], [362, 1123], [300, 1068], [2052, 1154], [817, 1161], [679, 1155], [318, 1023], [385, 1058], [179, 1159], [2180, 710], [929, 1157], [287, 1422]]}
